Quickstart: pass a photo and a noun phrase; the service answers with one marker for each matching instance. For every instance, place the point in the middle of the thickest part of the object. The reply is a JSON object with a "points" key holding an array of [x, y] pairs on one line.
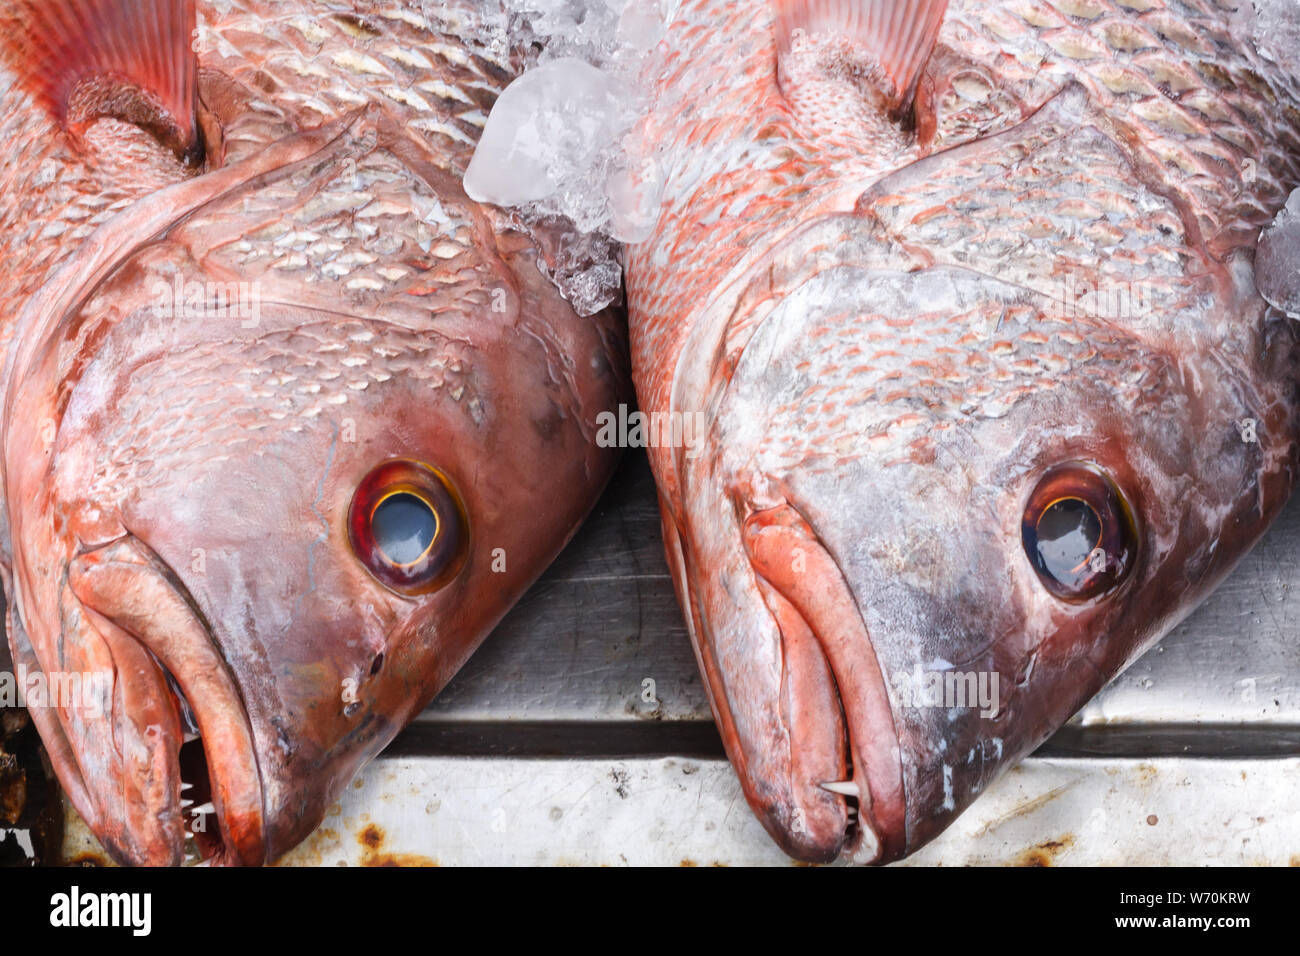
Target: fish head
{"points": [[273, 506], [935, 511], [992, 400]]}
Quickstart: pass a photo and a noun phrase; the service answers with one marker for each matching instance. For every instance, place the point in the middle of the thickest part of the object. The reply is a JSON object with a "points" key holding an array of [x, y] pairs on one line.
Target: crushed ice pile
{"points": [[558, 141]]}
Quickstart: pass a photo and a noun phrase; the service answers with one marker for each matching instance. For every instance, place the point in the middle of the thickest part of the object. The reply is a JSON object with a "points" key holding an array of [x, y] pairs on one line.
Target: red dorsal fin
{"points": [[898, 35], [129, 59]]}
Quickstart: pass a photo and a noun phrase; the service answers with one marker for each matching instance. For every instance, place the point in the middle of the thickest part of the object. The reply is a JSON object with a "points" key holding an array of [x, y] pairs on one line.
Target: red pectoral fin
{"points": [[129, 59], [899, 35]]}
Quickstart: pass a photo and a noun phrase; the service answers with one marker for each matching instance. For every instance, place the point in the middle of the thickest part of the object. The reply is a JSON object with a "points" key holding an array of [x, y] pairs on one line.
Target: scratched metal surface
{"points": [[545, 750], [672, 811]]}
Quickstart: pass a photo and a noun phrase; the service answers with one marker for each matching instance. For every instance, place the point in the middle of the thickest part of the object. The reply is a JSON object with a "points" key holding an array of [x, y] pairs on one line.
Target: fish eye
{"points": [[407, 525], [1079, 532]]}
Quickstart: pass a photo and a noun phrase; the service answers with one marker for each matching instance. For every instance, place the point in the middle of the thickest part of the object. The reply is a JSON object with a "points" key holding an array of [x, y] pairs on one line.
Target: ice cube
{"points": [[546, 129], [634, 195], [641, 26]]}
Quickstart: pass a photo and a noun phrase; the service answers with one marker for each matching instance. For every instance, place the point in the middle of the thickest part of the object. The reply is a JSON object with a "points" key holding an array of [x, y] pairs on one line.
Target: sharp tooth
{"points": [[205, 808], [186, 803], [868, 847], [190, 736], [186, 786], [844, 787]]}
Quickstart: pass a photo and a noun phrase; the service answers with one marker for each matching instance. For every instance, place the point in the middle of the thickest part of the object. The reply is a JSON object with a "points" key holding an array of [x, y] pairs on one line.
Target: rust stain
{"points": [[397, 859], [371, 837], [1045, 853]]}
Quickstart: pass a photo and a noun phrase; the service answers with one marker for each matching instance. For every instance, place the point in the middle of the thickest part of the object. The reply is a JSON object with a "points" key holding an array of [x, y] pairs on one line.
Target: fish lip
{"points": [[774, 807], [859, 840], [228, 741], [821, 823], [825, 603]]}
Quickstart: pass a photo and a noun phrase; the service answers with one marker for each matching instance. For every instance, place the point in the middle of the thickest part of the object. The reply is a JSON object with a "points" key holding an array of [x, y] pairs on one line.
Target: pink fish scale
{"points": [[1187, 161], [295, 67]]}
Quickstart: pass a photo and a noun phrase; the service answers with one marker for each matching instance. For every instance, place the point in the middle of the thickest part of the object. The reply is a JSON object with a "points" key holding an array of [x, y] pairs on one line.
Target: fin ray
{"points": [[899, 34], [129, 59]]}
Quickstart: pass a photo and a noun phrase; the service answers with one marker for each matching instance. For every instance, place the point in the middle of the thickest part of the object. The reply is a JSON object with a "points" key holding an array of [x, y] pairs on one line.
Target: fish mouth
{"points": [[188, 726], [839, 710]]}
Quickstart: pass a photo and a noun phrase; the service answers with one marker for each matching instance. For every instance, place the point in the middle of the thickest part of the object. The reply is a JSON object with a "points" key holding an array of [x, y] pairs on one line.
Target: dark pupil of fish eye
{"points": [[1068, 531], [403, 527]]}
